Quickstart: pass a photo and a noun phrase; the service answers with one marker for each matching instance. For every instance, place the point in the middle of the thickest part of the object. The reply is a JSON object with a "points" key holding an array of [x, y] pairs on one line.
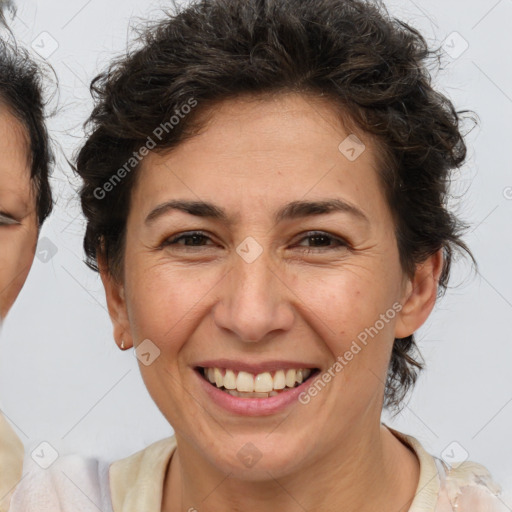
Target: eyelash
{"points": [[311, 234], [7, 220]]}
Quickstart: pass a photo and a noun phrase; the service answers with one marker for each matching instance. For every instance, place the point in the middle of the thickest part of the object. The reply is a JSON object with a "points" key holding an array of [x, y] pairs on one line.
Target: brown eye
{"points": [[195, 237], [321, 241]]}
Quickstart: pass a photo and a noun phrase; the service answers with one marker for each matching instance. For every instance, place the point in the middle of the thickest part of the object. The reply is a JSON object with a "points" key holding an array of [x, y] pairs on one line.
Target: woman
{"points": [[264, 185], [25, 202]]}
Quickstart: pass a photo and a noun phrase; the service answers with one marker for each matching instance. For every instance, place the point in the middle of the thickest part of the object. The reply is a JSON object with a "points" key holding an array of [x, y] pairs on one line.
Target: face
{"points": [[18, 219], [264, 286]]}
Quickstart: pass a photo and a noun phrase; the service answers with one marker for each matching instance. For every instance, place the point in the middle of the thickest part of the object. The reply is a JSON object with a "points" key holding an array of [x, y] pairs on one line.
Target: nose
{"points": [[253, 303]]}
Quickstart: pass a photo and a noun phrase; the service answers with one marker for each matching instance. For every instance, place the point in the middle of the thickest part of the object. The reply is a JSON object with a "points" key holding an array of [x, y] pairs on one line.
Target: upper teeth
{"points": [[260, 383]]}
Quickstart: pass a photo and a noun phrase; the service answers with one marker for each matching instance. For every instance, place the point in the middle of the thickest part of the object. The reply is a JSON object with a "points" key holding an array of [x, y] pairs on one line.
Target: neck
{"points": [[364, 473]]}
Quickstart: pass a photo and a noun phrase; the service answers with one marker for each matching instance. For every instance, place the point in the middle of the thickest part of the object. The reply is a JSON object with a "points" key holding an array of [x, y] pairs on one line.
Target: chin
{"points": [[257, 458]]}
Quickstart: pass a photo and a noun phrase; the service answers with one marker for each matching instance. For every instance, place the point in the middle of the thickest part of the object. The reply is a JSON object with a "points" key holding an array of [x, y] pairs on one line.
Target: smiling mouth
{"points": [[263, 385]]}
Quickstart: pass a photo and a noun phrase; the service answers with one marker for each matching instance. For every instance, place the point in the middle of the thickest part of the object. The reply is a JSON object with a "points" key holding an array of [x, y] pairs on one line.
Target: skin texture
{"points": [[18, 219], [203, 302]]}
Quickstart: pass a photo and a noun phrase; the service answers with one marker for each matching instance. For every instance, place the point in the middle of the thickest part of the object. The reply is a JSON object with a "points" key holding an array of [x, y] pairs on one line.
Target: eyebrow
{"points": [[290, 211]]}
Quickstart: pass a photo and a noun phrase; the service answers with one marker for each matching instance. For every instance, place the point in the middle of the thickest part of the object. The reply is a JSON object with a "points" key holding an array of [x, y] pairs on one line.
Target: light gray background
{"points": [[62, 378]]}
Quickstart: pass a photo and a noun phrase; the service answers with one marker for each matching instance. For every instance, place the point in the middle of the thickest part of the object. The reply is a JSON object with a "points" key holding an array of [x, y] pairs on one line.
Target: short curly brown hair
{"points": [[353, 52], [22, 85]]}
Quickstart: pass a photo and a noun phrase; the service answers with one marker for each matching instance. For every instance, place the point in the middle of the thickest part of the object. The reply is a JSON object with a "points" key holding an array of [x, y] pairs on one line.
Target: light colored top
{"points": [[11, 462], [70, 484], [136, 484]]}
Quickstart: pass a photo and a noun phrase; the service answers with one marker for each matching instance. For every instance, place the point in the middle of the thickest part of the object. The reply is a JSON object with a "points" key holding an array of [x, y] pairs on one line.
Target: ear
{"points": [[420, 296], [116, 304]]}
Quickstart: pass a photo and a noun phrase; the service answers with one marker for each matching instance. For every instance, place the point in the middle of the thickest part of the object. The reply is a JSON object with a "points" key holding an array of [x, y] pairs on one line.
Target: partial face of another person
{"points": [[18, 219], [251, 286]]}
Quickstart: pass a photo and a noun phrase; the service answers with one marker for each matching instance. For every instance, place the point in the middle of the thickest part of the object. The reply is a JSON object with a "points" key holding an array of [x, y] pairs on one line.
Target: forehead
{"points": [[15, 158], [284, 146]]}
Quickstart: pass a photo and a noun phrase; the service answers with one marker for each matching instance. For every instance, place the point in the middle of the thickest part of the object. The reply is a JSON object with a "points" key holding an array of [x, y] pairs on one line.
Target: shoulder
{"points": [[463, 487], [11, 461], [71, 483], [136, 482], [470, 486], [74, 483], [153, 455]]}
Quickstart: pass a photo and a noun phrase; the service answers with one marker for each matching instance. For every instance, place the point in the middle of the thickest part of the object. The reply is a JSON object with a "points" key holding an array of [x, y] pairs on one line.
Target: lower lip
{"points": [[253, 406]]}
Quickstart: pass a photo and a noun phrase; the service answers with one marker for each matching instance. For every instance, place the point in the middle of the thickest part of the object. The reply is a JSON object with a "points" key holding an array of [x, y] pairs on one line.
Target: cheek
{"points": [[346, 301], [164, 301], [351, 312], [17, 255]]}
